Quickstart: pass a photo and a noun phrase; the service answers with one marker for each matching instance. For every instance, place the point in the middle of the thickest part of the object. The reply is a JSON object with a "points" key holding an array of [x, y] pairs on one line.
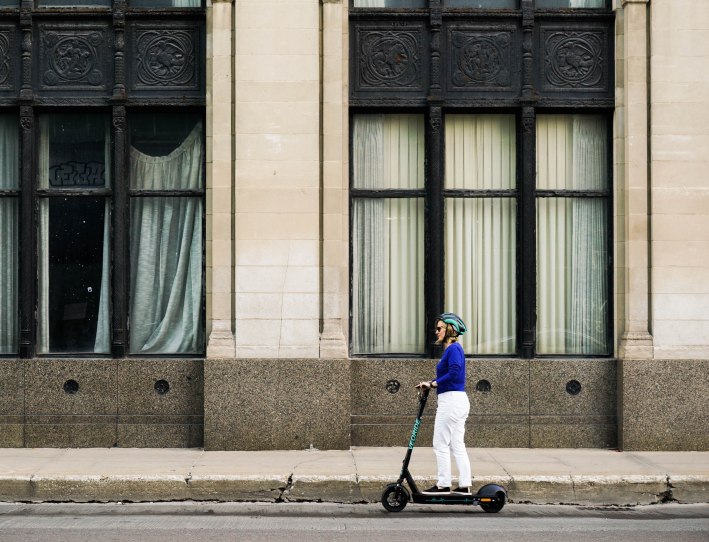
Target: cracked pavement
{"points": [[357, 475]]}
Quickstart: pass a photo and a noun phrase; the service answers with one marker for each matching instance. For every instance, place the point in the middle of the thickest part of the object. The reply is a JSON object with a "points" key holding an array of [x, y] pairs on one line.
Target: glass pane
{"points": [[480, 3], [9, 153], [166, 276], [74, 3], [480, 285], [9, 283], [388, 151], [572, 276], [570, 3], [390, 3], [74, 275], [9, 3], [572, 152], [387, 276], [166, 152], [74, 151], [480, 152], [165, 3]]}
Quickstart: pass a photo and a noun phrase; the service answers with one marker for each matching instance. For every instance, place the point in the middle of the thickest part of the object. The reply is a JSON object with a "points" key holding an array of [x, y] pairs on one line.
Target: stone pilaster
{"points": [[334, 182], [636, 341], [220, 192]]}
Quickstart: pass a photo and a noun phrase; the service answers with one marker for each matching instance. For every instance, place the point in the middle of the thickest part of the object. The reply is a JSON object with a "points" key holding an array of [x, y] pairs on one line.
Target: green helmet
{"points": [[455, 321]]}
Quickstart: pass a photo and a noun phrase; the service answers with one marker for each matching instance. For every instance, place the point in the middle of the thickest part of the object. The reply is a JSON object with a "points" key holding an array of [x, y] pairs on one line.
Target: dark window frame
{"points": [[27, 101], [435, 105]]}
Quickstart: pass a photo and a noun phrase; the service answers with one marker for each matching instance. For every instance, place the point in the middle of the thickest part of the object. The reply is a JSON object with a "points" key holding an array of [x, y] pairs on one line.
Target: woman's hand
{"points": [[425, 385]]}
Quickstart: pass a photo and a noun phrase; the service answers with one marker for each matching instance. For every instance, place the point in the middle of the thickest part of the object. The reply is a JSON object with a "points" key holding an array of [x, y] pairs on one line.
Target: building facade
{"points": [[232, 225]]}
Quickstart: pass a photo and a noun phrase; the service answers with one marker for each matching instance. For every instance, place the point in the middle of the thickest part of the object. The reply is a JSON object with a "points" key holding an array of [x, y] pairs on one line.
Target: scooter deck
{"points": [[452, 498]]}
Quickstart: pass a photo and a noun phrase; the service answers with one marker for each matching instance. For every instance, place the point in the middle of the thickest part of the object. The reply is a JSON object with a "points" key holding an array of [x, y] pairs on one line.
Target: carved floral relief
{"points": [[480, 58], [72, 58], [390, 59], [165, 58], [574, 59], [5, 59]]}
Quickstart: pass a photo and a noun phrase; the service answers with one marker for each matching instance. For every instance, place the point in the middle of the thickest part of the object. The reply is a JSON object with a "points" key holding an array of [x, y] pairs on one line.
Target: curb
{"points": [[577, 490]]}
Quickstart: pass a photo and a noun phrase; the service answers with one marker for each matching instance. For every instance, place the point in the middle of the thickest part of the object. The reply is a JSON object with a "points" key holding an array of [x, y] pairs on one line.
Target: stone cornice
{"points": [[222, 1], [625, 2]]}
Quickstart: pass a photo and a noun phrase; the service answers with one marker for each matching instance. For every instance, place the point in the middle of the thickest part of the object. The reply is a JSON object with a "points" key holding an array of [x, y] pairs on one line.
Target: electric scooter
{"points": [[490, 497]]}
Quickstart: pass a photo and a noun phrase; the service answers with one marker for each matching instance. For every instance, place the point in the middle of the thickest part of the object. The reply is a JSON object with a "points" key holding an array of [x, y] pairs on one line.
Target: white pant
{"points": [[448, 433]]}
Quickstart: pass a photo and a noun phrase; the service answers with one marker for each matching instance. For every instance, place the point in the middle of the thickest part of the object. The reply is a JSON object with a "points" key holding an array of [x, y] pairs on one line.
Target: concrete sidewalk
{"points": [[540, 476]]}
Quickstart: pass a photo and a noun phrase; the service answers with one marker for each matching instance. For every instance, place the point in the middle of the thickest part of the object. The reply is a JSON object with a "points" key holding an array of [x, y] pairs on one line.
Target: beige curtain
{"points": [[387, 252], [586, 3], [389, 3], [166, 251], [480, 236], [572, 246], [9, 283]]}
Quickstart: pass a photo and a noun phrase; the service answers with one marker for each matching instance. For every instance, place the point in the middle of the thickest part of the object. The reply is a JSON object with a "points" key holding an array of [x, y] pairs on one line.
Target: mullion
{"points": [[371, 194], [461, 193], [572, 193], [165, 193], [72, 193]]}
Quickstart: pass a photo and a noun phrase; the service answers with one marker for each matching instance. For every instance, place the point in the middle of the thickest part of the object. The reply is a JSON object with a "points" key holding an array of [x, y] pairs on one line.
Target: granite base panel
{"points": [[12, 435], [514, 403], [159, 436], [129, 403], [256, 404], [664, 405], [276, 404]]}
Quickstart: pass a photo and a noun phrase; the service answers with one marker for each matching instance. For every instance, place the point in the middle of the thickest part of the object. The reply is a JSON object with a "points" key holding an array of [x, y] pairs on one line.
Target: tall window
{"points": [[166, 165], [572, 234], [9, 226], [471, 192], [480, 229], [74, 253], [102, 178], [387, 226]]}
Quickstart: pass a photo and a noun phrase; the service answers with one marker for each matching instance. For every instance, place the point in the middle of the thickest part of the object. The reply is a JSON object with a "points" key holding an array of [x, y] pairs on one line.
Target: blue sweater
{"points": [[450, 371]]}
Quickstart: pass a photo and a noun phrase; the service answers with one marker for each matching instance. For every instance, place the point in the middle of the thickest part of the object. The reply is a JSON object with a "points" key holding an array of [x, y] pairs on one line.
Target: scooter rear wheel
{"points": [[494, 507], [394, 498]]}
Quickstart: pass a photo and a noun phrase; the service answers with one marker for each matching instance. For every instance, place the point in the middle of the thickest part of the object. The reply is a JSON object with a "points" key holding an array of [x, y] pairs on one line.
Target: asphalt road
{"points": [[217, 522]]}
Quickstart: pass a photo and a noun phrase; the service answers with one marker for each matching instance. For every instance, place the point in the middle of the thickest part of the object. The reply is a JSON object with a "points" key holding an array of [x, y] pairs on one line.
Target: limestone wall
{"points": [[679, 91]]}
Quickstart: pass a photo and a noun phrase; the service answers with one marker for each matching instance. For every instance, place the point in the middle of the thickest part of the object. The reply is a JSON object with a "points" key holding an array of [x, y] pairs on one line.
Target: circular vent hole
{"points": [[393, 386], [483, 386], [162, 387], [573, 387], [71, 387]]}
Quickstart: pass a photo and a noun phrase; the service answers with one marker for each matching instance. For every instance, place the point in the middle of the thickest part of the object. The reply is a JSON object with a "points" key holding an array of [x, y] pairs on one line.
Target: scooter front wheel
{"points": [[395, 498]]}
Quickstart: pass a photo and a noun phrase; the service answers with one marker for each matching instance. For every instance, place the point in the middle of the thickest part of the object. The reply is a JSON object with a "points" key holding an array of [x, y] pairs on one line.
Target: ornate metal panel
{"points": [[165, 58], [483, 59], [9, 55], [575, 59], [390, 58], [74, 57]]}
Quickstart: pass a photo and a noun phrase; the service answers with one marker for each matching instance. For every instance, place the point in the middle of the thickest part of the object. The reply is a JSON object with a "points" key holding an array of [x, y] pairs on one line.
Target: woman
{"points": [[453, 406]]}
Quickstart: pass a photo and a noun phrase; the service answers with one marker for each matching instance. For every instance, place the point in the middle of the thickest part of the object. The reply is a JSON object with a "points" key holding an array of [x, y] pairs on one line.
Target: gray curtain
{"points": [[387, 252], [9, 284], [589, 240], [586, 3], [166, 251], [572, 246], [480, 234]]}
